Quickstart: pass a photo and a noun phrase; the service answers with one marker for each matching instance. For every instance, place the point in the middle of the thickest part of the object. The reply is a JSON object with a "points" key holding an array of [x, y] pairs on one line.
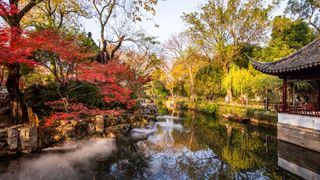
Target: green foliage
{"points": [[208, 107], [208, 81], [86, 93], [238, 80], [306, 9], [296, 34], [287, 37], [156, 88], [223, 27], [243, 111], [263, 84]]}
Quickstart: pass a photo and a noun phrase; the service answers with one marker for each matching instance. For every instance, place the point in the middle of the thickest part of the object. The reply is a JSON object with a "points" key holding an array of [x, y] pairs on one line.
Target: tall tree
{"points": [[306, 9], [187, 60], [12, 14], [112, 38], [221, 28], [287, 36], [56, 13]]}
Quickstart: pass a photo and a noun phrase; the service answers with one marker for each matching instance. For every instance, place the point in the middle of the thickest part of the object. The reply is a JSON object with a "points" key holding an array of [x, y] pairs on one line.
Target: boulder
{"points": [[13, 138], [28, 139]]}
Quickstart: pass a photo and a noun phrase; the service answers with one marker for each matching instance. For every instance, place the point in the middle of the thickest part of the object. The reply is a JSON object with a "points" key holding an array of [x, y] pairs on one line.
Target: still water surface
{"points": [[193, 146]]}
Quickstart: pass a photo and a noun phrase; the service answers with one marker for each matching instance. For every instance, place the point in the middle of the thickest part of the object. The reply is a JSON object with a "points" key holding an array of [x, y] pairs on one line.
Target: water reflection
{"points": [[193, 146], [201, 147]]}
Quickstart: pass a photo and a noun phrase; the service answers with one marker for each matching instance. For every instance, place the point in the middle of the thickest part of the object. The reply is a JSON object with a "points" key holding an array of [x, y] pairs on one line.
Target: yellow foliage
{"points": [[33, 118]]}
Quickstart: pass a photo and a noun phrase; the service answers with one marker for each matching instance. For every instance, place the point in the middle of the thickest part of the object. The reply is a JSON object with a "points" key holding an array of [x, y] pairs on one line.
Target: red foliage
{"points": [[15, 47], [114, 78], [74, 112], [111, 80], [8, 9], [66, 48]]}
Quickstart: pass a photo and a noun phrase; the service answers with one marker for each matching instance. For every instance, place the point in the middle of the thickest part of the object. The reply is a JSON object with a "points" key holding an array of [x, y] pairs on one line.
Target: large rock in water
{"points": [[28, 139]]}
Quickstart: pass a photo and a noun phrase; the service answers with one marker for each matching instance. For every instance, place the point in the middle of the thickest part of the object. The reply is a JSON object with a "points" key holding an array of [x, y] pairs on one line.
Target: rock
{"points": [[91, 128], [118, 129], [82, 130], [13, 138], [68, 131], [99, 121], [28, 139], [3, 142]]}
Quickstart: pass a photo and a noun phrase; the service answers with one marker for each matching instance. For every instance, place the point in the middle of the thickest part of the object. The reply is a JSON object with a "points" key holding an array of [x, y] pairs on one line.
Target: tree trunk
{"points": [[229, 93], [229, 89], [18, 109]]}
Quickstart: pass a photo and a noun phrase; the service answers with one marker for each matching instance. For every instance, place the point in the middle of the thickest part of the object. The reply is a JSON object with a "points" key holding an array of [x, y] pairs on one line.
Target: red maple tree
{"points": [[14, 53], [72, 62]]}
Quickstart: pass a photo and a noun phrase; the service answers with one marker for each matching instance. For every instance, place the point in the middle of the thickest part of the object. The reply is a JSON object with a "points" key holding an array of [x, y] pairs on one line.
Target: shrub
{"points": [[36, 96]]}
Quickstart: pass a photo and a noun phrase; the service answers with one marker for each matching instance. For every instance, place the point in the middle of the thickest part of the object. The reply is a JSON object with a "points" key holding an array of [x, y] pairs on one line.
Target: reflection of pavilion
{"points": [[300, 161], [298, 123]]}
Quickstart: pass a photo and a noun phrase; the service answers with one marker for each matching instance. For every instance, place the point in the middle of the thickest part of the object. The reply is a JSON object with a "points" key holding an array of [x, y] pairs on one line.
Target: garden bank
{"points": [[255, 116]]}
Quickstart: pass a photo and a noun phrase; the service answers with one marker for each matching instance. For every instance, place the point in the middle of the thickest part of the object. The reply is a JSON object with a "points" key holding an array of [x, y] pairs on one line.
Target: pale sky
{"points": [[168, 16]]}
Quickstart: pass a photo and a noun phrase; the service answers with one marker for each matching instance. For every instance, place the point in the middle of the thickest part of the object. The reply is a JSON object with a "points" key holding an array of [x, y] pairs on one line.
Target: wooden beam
{"points": [[284, 94]]}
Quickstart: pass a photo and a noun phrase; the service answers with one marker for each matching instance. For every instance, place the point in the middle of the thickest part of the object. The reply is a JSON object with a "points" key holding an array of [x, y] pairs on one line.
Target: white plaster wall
{"points": [[311, 122]]}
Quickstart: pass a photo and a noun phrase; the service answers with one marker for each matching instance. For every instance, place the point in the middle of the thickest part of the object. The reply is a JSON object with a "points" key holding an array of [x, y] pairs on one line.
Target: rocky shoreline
{"points": [[28, 138]]}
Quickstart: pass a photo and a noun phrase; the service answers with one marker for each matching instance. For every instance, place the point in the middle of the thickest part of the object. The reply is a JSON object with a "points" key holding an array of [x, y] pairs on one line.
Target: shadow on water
{"points": [[191, 146]]}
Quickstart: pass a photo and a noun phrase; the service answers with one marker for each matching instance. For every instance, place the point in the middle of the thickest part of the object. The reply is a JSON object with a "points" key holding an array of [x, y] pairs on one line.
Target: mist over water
{"points": [[70, 161]]}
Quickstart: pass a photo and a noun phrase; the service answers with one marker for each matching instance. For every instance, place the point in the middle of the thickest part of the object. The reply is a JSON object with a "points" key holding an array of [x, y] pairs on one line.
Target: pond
{"points": [[193, 146]]}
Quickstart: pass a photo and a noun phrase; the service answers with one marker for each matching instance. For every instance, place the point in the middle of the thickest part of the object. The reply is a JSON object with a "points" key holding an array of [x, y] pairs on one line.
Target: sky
{"points": [[168, 17]]}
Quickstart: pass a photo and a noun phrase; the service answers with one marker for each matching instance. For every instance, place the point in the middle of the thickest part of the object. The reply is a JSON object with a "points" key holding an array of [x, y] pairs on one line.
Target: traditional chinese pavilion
{"points": [[298, 123]]}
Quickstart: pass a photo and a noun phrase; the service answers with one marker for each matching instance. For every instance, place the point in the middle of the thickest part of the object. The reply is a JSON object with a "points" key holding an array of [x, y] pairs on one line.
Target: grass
{"points": [[257, 115]]}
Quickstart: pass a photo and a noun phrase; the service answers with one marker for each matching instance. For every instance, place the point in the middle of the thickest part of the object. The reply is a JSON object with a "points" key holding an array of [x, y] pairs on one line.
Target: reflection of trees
{"points": [[210, 149], [243, 148]]}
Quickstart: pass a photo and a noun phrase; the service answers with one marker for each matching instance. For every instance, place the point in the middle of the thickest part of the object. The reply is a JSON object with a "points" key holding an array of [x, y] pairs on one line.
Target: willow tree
{"points": [[221, 28], [239, 80]]}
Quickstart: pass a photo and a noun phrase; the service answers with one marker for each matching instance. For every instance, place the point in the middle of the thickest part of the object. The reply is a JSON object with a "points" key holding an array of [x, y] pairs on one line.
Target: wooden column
{"points": [[284, 94]]}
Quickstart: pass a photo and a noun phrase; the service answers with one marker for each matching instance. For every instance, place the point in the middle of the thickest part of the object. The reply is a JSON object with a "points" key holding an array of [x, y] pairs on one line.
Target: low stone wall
{"points": [[19, 138], [304, 137], [26, 138], [301, 130]]}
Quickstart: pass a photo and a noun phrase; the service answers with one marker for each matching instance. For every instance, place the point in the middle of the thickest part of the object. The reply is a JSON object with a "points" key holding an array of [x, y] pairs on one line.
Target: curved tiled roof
{"points": [[305, 58]]}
